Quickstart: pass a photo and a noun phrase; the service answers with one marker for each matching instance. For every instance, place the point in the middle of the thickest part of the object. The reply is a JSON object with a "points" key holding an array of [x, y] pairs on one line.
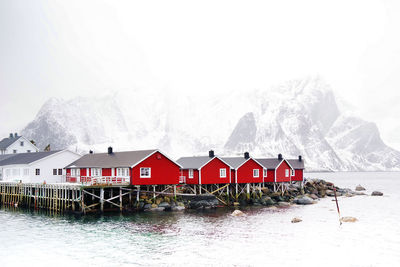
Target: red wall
{"points": [[106, 172], [210, 172], [280, 173], [270, 176], [163, 171], [245, 173], [298, 175], [194, 180], [83, 172], [233, 176]]}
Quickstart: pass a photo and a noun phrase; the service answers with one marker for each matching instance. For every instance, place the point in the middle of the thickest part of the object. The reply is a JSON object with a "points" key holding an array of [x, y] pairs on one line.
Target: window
{"points": [[122, 172], [26, 172], [145, 172], [59, 171], [292, 172], [21, 143], [15, 151], [265, 173], [37, 171], [256, 173], [191, 173], [8, 172], [75, 172], [15, 172], [54, 171], [286, 173], [96, 172], [222, 173], [28, 151]]}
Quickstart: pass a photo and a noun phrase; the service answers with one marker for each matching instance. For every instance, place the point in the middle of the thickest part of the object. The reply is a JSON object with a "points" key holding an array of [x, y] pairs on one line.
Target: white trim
{"points": [[258, 173], [220, 174], [215, 157], [155, 151], [140, 173], [190, 173]]}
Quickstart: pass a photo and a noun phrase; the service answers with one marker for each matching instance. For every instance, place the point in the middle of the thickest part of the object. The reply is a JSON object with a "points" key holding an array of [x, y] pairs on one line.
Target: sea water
{"points": [[263, 237]]}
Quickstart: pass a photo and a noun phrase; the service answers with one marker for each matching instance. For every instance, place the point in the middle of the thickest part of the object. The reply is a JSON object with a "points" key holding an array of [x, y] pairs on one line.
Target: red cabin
{"points": [[298, 166], [143, 167], [245, 169], [204, 170], [278, 170]]}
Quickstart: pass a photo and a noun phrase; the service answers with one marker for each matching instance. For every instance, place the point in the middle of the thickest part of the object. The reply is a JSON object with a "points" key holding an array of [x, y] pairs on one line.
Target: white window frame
{"points": [[222, 173], [26, 172], [59, 171], [37, 172], [286, 172], [95, 172], [265, 172], [55, 171], [14, 151], [145, 176], [22, 143], [256, 173], [293, 172], [190, 173], [123, 172]]}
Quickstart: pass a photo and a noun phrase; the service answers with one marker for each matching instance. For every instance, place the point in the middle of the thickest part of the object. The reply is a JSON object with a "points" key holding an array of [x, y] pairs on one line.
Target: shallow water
{"points": [[262, 237]]}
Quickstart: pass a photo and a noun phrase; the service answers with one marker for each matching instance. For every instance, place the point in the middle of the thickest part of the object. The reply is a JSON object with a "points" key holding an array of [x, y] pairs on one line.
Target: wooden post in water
{"points": [[120, 199], [102, 199]]}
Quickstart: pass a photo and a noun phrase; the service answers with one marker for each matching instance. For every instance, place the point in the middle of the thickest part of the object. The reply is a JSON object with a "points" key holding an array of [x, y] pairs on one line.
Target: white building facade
{"points": [[37, 167], [16, 144]]}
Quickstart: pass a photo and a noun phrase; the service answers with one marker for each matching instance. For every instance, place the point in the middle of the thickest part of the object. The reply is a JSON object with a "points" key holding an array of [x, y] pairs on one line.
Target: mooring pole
{"points": [[337, 204], [102, 199]]}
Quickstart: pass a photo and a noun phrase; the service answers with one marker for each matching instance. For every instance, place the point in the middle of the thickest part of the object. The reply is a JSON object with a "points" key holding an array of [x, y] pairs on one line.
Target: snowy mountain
{"points": [[296, 118]]}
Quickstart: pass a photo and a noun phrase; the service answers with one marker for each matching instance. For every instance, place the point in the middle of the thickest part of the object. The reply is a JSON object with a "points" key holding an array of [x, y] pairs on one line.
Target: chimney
{"points": [[90, 151], [11, 135], [15, 135], [280, 156], [110, 151], [246, 155], [211, 153], [300, 159]]}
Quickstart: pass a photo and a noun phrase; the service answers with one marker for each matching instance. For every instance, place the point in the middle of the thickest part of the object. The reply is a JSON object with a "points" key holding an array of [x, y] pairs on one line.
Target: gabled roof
{"points": [[271, 163], [235, 162], [193, 162], [25, 158], [116, 159], [6, 156], [6, 142], [296, 164]]}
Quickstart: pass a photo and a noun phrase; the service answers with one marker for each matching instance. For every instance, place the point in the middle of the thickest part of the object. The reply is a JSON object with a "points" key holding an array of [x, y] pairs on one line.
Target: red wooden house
{"points": [[278, 170], [245, 169], [298, 166], [205, 170], [143, 167]]}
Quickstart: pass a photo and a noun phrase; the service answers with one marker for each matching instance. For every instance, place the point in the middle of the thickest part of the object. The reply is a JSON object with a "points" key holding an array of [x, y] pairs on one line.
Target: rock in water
{"points": [[237, 213], [296, 220], [304, 200], [283, 204], [360, 188], [348, 219], [377, 193]]}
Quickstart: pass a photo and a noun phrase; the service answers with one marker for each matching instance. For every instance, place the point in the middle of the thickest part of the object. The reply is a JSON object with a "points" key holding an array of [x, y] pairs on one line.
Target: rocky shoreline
{"points": [[298, 194]]}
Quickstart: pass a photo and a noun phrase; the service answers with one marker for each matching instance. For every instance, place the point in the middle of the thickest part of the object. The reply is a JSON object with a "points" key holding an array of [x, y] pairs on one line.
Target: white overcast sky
{"points": [[70, 48]]}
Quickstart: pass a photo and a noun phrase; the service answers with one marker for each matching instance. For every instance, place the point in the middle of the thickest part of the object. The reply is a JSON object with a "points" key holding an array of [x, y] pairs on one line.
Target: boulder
{"points": [[303, 200], [348, 219], [330, 193], [154, 206], [313, 196], [377, 193], [236, 204], [296, 220], [267, 201], [283, 204], [177, 208], [158, 201], [360, 188], [147, 206], [157, 209], [164, 205], [237, 213]]}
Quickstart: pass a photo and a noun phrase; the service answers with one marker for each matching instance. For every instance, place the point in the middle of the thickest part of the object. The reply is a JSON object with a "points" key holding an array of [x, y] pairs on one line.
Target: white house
{"points": [[16, 144], [36, 167]]}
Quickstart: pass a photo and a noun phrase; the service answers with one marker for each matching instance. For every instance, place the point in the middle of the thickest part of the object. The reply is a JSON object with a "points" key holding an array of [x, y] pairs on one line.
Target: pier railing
{"points": [[99, 180]]}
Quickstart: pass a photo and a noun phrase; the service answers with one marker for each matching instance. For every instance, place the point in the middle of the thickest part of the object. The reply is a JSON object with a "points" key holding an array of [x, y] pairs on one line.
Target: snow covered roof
{"points": [[271, 163], [193, 162], [115, 159], [296, 164], [24, 158], [6, 142], [234, 162]]}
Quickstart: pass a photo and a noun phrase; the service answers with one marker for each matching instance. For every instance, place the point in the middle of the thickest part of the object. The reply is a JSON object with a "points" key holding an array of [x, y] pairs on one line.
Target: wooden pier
{"points": [[82, 199]]}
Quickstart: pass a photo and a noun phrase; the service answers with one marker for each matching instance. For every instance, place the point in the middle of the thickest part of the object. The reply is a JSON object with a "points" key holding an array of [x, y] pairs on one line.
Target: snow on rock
{"points": [[299, 117]]}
